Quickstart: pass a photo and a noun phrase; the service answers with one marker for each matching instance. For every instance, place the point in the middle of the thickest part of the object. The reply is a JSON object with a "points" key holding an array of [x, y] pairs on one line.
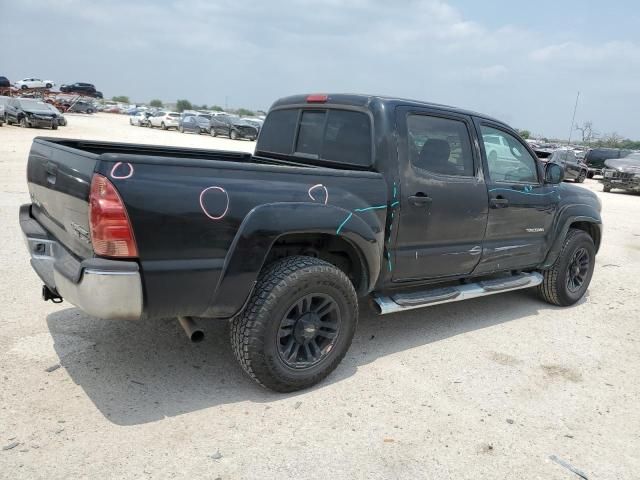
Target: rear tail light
{"points": [[111, 232], [317, 98]]}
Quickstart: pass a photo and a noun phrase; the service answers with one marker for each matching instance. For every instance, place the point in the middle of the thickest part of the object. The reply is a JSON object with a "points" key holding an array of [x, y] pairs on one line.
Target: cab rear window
{"points": [[325, 135]]}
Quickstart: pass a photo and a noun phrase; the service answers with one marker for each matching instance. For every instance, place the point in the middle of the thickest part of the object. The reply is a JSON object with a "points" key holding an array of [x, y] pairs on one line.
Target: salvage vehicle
{"points": [[27, 83], [623, 173], [574, 169], [233, 127], [141, 119], [28, 112], [164, 120], [194, 123], [347, 197], [81, 88], [595, 158], [61, 121]]}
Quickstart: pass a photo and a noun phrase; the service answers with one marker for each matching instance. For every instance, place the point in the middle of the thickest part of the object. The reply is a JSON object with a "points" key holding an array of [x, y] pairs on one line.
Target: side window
{"points": [[440, 145], [510, 161], [310, 133]]}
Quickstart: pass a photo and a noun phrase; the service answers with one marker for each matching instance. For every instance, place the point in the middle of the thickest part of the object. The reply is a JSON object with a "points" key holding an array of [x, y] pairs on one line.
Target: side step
{"points": [[408, 301]]}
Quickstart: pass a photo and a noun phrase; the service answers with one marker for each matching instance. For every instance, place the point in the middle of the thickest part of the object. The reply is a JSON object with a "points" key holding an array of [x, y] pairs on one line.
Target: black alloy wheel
{"points": [[578, 270], [308, 331]]}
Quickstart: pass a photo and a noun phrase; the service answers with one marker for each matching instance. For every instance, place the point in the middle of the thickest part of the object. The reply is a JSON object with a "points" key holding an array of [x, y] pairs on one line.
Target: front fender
{"points": [[566, 217], [262, 227]]}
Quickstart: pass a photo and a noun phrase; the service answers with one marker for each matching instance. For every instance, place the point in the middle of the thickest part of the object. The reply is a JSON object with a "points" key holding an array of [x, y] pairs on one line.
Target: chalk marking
{"points": [[121, 177], [319, 185], [220, 189]]}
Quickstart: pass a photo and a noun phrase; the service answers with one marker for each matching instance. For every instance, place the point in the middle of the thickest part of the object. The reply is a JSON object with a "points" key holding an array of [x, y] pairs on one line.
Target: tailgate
{"points": [[59, 179]]}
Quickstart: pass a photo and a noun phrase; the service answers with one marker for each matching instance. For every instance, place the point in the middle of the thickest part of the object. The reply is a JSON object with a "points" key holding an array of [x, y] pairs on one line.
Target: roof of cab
{"points": [[363, 100]]}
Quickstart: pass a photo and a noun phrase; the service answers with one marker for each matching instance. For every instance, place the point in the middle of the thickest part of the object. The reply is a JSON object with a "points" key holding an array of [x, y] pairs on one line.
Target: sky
{"points": [[522, 62]]}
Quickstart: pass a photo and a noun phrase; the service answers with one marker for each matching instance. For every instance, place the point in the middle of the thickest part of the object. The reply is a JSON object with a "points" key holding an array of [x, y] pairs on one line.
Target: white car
{"points": [[165, 120], [34, 83], [141, 119]]}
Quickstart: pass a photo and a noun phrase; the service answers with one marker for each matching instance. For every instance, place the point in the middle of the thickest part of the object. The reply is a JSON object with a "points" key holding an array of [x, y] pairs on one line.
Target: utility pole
{"points": [[573, 120]]}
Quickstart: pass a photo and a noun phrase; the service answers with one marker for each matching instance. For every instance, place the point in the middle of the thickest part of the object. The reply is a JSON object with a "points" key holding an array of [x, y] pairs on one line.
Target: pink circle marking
{"points": [[326, 192], [205, 210], [121, 177]]}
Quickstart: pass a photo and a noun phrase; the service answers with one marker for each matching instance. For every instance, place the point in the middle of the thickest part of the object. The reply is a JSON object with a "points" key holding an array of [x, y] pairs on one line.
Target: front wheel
{"points": [[213, 132], [590, 174], [48, 85], [606, 188], [581, 177], [233, 135], [181, 128], [163, 126], [23, 122], [298, 324], [568, 279]]}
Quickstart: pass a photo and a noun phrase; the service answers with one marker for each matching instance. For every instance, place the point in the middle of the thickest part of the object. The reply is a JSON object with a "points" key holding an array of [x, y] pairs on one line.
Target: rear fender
{"points": [[262, 227]]}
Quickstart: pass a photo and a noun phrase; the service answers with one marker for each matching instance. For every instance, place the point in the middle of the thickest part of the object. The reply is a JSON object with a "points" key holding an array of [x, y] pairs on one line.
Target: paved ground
{"points": [[488, 388]]}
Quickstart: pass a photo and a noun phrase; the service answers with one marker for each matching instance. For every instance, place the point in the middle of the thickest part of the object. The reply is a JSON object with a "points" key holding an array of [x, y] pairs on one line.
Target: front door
{"points": [[521, 206], [443, 196]]}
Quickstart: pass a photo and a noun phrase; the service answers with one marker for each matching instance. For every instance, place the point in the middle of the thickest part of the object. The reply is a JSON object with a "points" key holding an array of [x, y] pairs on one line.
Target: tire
{"points": [[90, 110], [48, 85], [233, 135], [23, 87], [555, 288], [257, 333], [163, 126], [606, 188], [23, 122], [581, 177], [590, 174], [181, 129], [212, 132], [54, 127]]}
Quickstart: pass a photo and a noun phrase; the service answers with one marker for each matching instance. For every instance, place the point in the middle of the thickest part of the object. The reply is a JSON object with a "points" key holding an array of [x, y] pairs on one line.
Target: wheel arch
{"points": [[270, 231], [591, 224]]}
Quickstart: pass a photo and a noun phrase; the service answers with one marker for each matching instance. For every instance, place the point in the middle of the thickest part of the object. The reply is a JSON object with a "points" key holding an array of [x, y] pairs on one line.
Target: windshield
{"points": [[32, 104]]}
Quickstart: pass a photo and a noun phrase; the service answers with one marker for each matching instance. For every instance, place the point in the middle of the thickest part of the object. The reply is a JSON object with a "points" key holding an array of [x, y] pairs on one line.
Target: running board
{"points": [[400, 302]]}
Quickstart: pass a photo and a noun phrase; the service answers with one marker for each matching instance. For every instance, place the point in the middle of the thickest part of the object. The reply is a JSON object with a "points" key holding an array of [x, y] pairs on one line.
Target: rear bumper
{"points": [[109, 289]]}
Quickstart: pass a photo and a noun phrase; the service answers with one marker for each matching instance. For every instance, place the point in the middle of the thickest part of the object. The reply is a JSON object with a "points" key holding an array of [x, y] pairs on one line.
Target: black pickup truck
{"points": [[346, 197]]}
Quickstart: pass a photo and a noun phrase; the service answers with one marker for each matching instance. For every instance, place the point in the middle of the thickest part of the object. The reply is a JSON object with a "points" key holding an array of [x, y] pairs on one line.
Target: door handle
{"points": [[499, 202], [419, 199]]}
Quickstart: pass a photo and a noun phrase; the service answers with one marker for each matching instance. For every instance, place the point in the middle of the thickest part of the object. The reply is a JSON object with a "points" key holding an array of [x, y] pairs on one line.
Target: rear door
{"points": [[521, 206], [443, 205]]}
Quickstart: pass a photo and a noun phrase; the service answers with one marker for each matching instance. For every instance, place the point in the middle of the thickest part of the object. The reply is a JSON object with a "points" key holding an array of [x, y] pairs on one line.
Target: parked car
{"points": [[595, 158], [1, 115], [28, 112], [623, 173], [233, 127], [283, 243], [499, 153], [62, 122], [256, 122], [81, 107], [26, 83], [574, 169], [4, 82], [195, 123], [141, 119], [80, 88], [164, 120]]}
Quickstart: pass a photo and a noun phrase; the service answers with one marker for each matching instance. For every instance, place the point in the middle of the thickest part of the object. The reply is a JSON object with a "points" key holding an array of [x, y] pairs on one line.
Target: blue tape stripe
{"points": [[344, 223], [377, 207], [395, 204], [523, 193]]}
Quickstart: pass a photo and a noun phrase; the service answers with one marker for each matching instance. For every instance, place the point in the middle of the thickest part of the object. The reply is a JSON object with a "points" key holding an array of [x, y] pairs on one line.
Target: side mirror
{"points": [[553, 173]]}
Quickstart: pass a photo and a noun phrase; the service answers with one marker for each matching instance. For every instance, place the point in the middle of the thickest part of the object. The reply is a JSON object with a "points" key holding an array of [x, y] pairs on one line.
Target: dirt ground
{"points": [[489, 388]]}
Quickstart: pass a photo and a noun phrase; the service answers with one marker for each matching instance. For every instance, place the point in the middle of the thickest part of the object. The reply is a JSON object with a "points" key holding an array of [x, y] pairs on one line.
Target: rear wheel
{"points": [[568, 279], [590, 174], [181, 128], [298, 324], [23, 87], [581, 177], [606, 188], [48, 85], [163, 126]]}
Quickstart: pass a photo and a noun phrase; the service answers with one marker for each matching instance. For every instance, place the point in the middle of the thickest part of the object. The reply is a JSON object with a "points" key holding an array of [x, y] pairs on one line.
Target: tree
{"points": [[217, 108], [155, 103], [587, 132], [182, 105], [121, 99], [524, 134], [245, 113]]}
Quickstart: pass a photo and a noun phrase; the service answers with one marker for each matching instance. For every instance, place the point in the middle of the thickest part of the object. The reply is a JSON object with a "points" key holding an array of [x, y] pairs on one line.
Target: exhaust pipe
{"points": [[192, 330]]}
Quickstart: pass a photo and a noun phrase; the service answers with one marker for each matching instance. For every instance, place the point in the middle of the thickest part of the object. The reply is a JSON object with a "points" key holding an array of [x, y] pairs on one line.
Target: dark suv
{"points": [[233, 127], [596, 156], [81, 88], [574, 169]]}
